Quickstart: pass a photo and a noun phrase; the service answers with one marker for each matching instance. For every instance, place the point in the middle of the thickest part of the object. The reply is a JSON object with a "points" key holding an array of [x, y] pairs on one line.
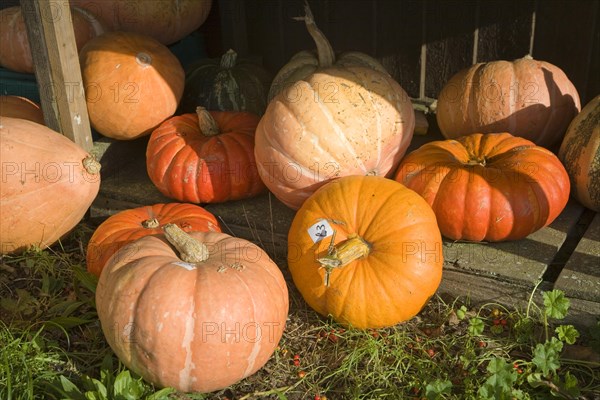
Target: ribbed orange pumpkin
{"points": [[207, 157], [165, 20], [129, 225], [490, 187], [196, 319], [48, 183], [387, 259], [527, 98], [336, 122], [132, 82], [21, 107], [15, 53], [580, 154]]}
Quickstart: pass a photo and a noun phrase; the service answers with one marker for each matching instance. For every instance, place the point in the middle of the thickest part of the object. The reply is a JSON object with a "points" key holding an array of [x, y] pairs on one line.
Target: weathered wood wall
{"points": [[422, 42]]}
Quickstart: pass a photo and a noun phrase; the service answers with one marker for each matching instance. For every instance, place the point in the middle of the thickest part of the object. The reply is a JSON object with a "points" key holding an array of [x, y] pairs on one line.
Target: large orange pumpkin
{"points": [[15, 53], [21, 107], [132, 82], [206, 157], [387, 258], [129, 225], [490, 187], [336, 122], [198, 318], [165, 20], [48, 183], [580, 154], [527, 98]]}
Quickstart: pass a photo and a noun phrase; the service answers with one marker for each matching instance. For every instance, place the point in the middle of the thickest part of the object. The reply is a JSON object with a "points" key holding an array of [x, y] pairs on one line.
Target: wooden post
{"points": [[57, 70]]}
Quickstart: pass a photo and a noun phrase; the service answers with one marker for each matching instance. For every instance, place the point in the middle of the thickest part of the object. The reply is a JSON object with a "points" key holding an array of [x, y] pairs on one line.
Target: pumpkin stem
{"points": [[143, 59], [208, 125], [151, 223], [324, 49], [91, 165], [190, 250], [228, 59], [343, 254], [477, 161]]}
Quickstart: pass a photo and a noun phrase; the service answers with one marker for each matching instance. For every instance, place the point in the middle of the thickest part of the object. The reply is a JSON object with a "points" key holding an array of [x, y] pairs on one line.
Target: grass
{"points": [[52, 347]]}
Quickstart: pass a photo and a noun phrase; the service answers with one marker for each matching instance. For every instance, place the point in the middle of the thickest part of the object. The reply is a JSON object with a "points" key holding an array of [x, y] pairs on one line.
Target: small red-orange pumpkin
{"points": [[132, 224], [207, 157], [198, 315], [15, 53], [21, 107], [490, 187]]}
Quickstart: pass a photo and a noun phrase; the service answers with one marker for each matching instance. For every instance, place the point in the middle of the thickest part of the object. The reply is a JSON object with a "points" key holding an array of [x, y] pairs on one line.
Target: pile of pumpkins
{"points": [[185, 305]]}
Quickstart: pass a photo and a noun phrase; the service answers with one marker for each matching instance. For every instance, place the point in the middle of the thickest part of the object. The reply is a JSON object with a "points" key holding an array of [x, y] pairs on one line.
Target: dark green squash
{"points": [[226, 84]]}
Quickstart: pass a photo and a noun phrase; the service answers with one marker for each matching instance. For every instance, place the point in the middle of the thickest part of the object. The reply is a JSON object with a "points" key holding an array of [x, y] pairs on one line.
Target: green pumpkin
{"points": [[226, 84]]}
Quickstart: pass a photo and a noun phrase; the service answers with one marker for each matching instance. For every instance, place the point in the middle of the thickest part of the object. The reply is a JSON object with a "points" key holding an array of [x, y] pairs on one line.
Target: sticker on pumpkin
{"points": [[320, 230]]}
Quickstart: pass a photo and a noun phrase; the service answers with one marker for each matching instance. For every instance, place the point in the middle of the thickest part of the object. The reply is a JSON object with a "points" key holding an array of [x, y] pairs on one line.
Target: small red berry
{"points": [[297, 363], [496, 322], [481, 344], [301, 374], [296, 356], [503, 322], [317, 397], [431, 352]]}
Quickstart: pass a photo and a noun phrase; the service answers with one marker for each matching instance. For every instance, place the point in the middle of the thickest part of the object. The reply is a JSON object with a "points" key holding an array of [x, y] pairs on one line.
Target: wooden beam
{"points": [[57, 70]]}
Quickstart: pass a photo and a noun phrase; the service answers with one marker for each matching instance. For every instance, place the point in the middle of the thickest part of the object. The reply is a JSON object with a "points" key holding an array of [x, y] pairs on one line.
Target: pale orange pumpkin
{"points": [[48, 183], [165, 20], [198, 315], [132, 83], [21, 107], [527, 98], [15, 53], [580, 154], [365, 250]]}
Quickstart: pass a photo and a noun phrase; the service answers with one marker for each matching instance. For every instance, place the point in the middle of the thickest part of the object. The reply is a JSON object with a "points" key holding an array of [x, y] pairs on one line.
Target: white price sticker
{"points": [[320, 230]]}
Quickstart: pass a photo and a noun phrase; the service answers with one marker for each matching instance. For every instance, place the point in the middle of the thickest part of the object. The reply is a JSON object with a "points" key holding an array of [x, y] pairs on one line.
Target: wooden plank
{"points": [[504, 29], [580, 278], [565, 36], [523, 262], [233, 19], [449, 29], [399, 36], [57, 69], [265, 32]]}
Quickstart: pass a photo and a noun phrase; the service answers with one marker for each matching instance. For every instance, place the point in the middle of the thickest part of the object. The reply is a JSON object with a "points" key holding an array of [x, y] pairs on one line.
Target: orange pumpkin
{"points": [[206, 157], [198, 318], [15, 53], [336, 122], [132, 224], [580, 154], [386, 259], [48, 183], [132, 82], [527, 98], [21, 107], [490, 187], [165, 20]]}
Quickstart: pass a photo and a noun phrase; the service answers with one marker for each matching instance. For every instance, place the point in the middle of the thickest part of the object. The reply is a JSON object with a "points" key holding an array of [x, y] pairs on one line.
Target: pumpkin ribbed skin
{"points": [[491, 187], [336, 122], [21, 107], [165, 20], [580, 154], [226, 84], [185, 164], [193, 326], [129, 225], [133, 83], [527, 98], [48, 183], [403, 267], [15, 53]]}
